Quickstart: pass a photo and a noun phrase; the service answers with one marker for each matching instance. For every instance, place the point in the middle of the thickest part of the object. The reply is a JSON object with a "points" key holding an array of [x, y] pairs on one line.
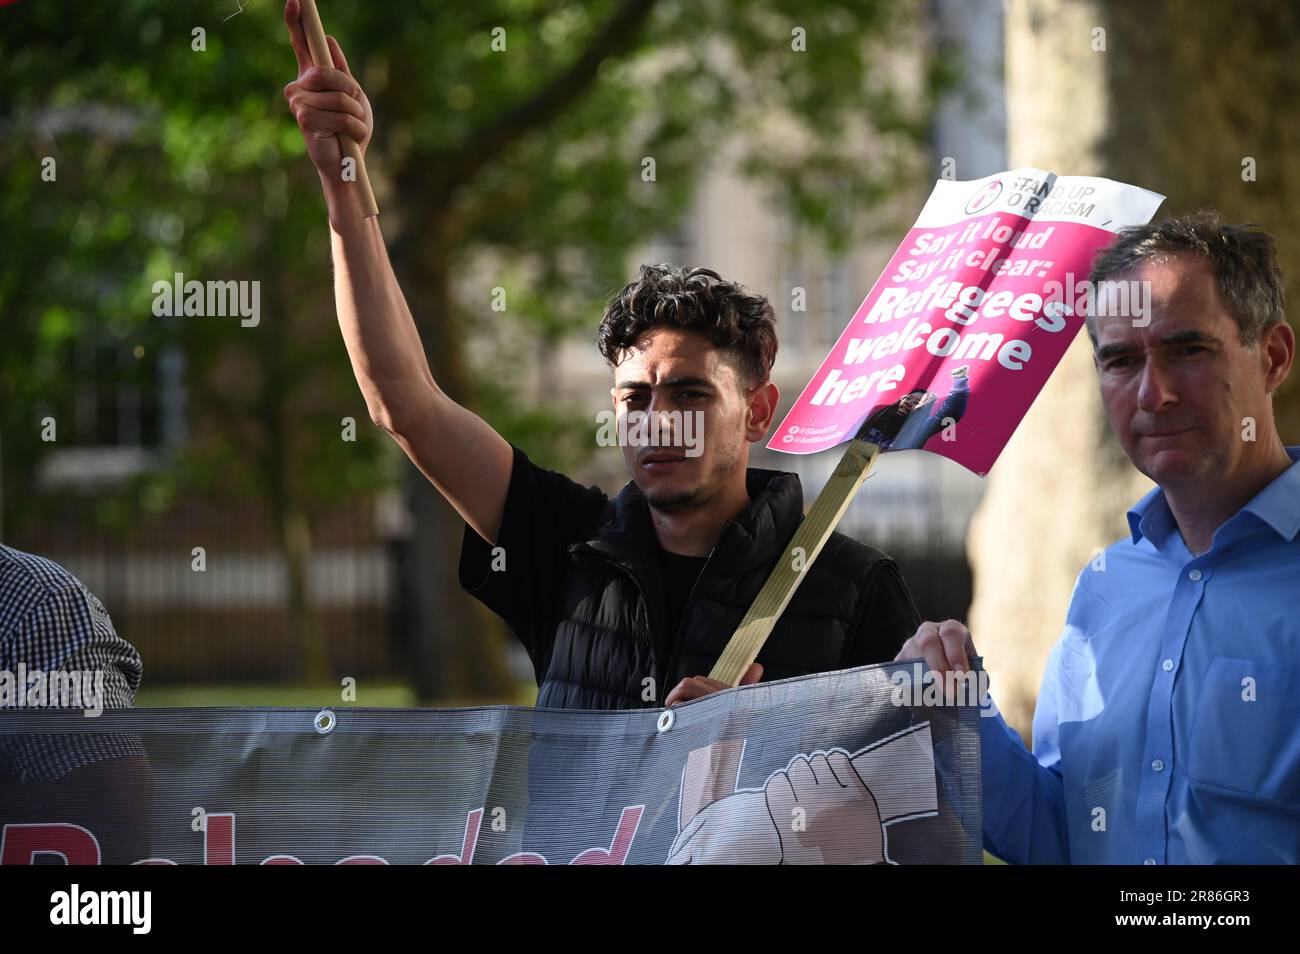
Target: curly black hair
{"points": [[694, 299]]}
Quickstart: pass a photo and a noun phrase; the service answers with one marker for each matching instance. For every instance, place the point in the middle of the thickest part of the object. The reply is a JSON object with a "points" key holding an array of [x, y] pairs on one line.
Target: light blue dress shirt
{"points": [[1167, 729]]}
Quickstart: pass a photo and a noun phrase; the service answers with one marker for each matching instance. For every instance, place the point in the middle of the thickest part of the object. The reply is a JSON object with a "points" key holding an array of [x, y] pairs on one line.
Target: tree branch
{"points": [[494, 137]]}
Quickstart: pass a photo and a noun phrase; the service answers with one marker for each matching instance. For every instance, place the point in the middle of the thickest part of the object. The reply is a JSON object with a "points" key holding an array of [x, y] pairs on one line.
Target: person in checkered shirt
{"points": [[49, 621]]}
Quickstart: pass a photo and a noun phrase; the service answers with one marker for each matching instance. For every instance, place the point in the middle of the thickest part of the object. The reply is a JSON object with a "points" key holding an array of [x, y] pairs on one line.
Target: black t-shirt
{"points": [[546, 511], [680, 573]]}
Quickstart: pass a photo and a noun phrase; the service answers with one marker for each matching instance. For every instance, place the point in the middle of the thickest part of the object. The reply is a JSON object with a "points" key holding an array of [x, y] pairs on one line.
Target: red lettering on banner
{"points": [[20, 844], [219, 838], [620, 846], [467, 845]]}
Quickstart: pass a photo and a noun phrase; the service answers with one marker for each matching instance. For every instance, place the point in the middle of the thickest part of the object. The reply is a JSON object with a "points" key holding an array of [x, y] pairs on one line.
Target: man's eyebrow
{"points": [[1173, 339], [682, 381], [1106, 352], [1190, 336]]}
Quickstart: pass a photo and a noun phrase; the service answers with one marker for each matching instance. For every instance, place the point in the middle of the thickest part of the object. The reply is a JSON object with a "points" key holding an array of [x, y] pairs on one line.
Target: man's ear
{"points": [[1278, 353], [762, 410]]}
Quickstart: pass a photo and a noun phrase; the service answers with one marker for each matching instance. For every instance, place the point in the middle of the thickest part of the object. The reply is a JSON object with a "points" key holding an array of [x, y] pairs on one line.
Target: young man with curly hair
{"points": [[624, 602]]}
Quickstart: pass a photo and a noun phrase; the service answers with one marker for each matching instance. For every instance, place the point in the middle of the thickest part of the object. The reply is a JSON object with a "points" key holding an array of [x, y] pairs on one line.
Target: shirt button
{"points": [[1149, 861], [1167, 665], [1194, 575], [1157, 765]]}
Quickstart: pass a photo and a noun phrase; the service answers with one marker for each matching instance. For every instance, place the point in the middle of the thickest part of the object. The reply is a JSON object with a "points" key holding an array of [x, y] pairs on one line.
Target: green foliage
{"points": [[174, 160], [1217, 90]]}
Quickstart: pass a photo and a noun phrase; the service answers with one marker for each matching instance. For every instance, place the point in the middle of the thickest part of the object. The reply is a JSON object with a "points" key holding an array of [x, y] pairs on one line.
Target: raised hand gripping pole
{"points": [[320, 56], [808, 540]]}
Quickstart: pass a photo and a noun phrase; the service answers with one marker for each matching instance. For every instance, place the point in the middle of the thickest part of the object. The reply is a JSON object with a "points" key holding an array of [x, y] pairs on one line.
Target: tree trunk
{"points": [[304, 620], [455, 656], [292, 528], [1061, 487]]}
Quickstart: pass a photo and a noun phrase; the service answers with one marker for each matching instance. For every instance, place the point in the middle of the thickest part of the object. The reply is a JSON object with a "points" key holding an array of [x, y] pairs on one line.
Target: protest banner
{"points": [[857, 766], [950, 347], [969, 318]]}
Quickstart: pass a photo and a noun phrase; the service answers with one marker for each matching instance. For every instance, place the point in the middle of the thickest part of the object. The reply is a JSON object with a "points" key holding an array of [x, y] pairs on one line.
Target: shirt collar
{"points": [[1151, 518], [1277, 505]]}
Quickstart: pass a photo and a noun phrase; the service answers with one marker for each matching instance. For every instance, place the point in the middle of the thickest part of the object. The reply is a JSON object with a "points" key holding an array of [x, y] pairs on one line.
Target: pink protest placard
{"points": [[974, 311]]}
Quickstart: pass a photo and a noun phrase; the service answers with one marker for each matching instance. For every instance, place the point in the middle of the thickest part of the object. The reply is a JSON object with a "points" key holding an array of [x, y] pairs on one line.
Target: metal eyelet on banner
{"points": [[666, 720], [325, 722]]}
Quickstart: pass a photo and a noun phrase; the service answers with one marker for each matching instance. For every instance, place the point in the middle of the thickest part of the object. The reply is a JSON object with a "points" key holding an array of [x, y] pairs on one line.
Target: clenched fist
{"points": [[325, 101]]}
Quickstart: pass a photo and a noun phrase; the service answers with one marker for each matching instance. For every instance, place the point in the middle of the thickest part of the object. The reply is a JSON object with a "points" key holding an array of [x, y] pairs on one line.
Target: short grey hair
{"points": [[1242, 257]]}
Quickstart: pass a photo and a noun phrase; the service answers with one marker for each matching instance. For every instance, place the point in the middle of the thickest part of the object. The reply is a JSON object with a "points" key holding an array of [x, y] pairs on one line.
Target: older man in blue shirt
{"points": [[1167, 728]]}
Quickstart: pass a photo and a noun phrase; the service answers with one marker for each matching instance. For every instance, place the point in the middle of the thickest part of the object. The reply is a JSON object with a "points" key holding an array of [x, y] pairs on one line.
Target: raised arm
{"points": [[457, 450]]}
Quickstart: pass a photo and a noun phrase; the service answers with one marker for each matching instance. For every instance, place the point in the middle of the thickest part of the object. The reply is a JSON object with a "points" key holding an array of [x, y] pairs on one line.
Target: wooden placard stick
{"points": [[805, 545], [320, 56]]}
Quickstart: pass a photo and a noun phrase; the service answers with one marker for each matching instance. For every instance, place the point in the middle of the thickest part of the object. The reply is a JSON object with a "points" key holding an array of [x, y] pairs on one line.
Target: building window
{"points": [[122, 413]]}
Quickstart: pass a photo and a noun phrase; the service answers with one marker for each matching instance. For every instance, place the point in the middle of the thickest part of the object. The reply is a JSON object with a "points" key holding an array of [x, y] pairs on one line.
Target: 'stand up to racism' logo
{"points": [[984, 197]]}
